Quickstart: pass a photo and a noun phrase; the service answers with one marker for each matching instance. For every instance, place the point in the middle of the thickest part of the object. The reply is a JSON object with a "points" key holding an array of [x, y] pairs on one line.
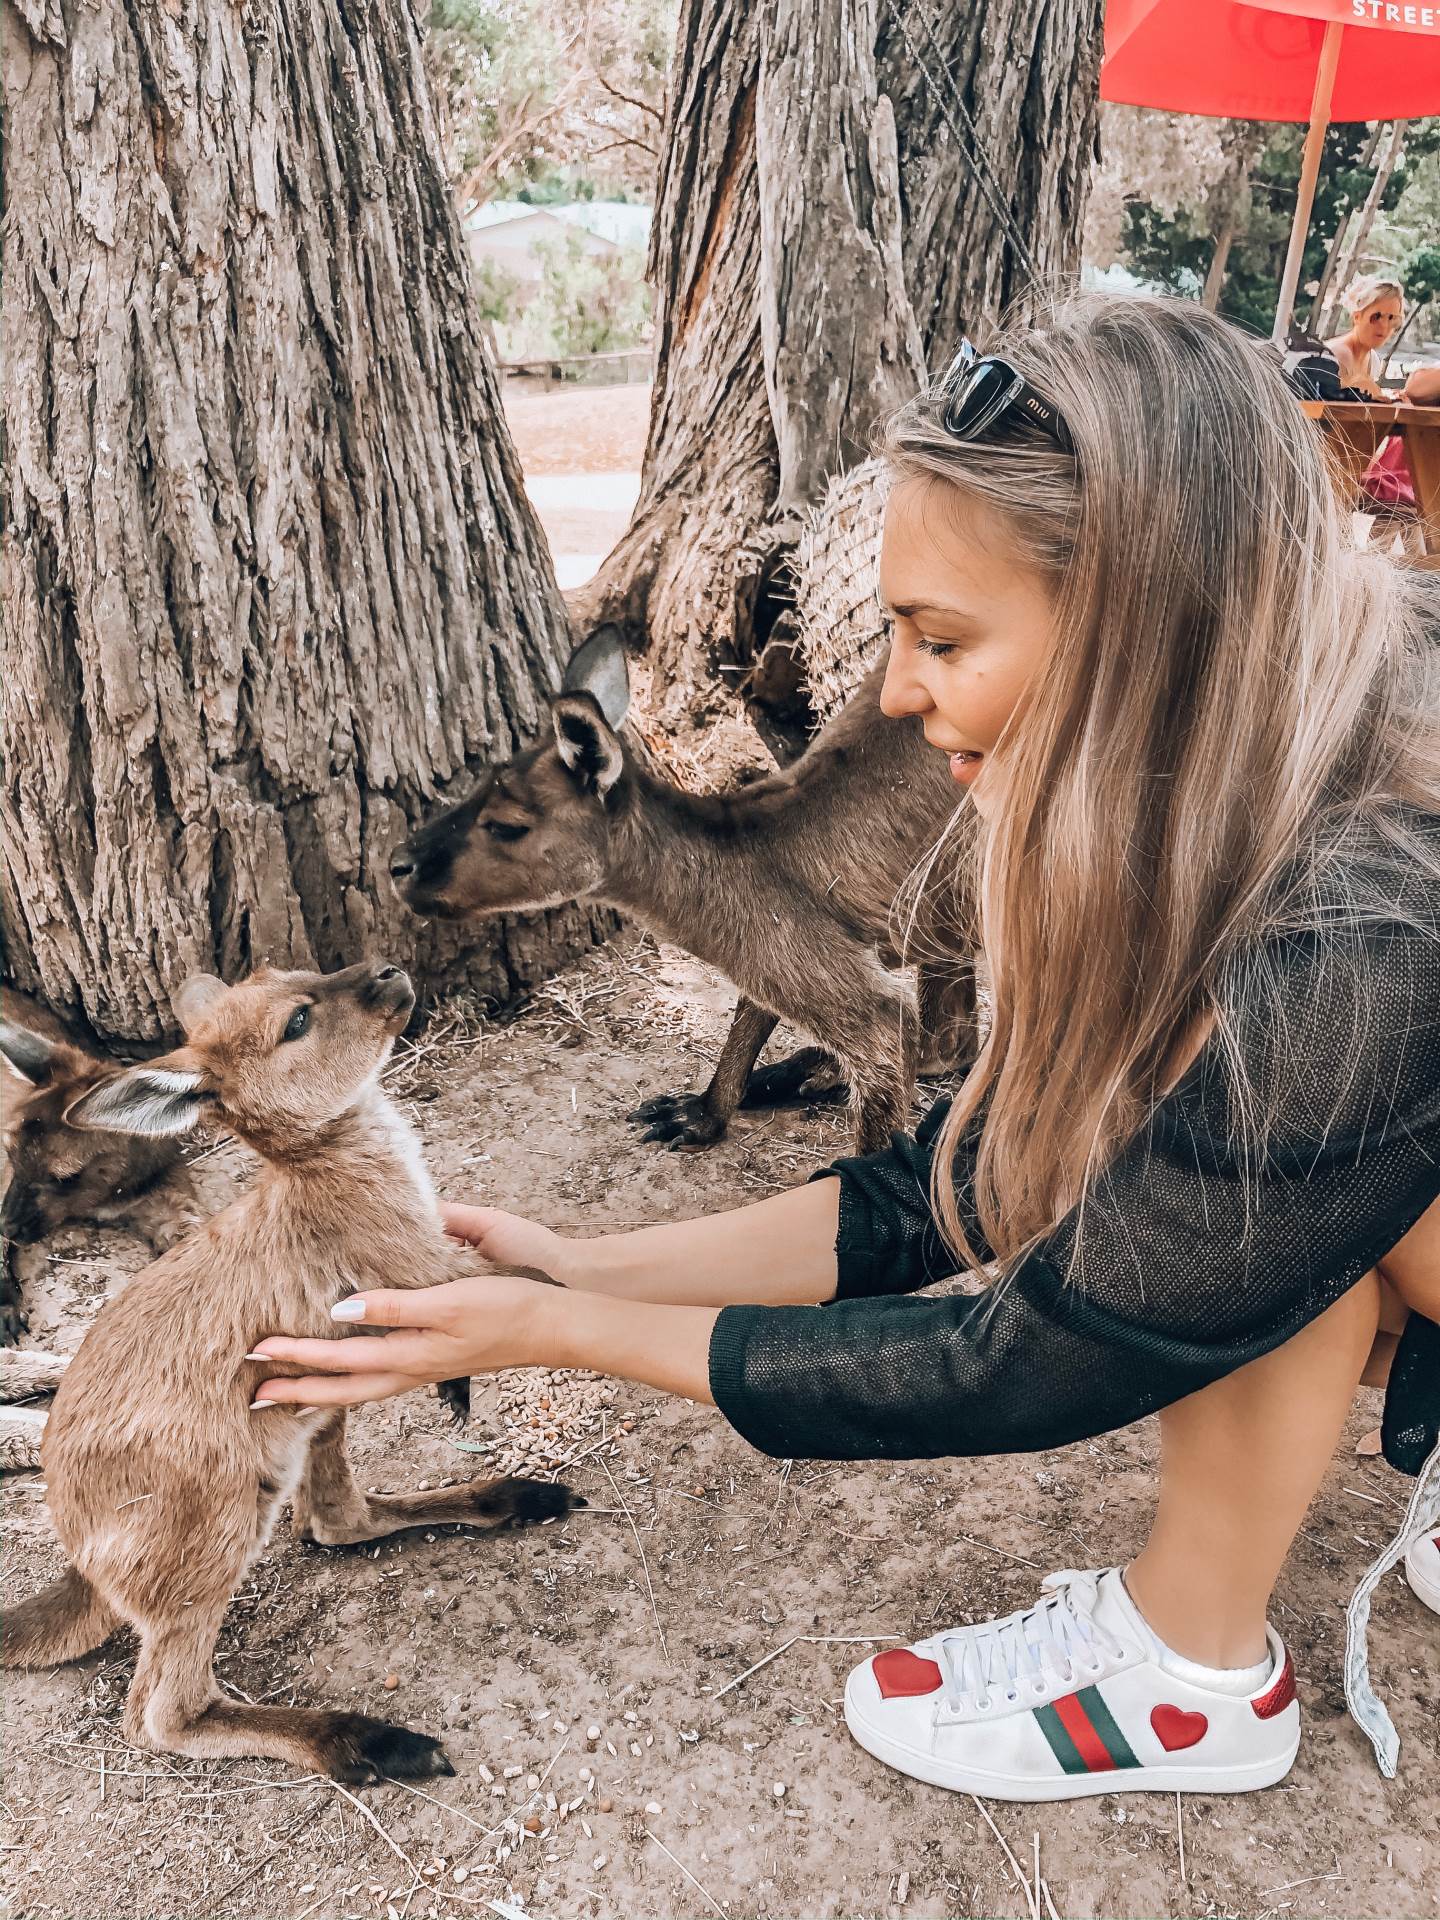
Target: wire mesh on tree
{"points": [[838, 626]]}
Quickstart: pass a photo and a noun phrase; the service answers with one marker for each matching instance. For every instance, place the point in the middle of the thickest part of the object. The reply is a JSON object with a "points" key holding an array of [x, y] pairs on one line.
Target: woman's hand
{"points": [[443, 1333], [479, 1325], [512, 1242]]}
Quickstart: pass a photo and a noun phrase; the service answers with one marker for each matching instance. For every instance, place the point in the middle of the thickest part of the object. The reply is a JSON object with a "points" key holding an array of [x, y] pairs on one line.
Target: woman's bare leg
{"points": [[1240, 1463]]}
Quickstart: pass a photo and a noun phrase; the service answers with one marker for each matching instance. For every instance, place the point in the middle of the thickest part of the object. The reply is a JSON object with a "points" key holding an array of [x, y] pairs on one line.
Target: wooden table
{"points": [[1356, 429]]}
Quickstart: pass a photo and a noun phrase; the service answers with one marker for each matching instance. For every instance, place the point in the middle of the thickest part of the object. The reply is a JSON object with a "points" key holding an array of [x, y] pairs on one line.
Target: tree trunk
{"points": [[1336, 250], [1365, 218], [1225, 205], [828, 177], [270, 582], [696, 576]]}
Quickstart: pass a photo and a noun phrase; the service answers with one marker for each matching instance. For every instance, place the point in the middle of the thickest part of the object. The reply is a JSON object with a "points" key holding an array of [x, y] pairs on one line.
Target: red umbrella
{"points": [[1312, 60]]}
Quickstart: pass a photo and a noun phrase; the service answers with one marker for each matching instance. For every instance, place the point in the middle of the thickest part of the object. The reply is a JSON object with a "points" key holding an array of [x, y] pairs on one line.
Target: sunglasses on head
{"points": [[979, 393]]}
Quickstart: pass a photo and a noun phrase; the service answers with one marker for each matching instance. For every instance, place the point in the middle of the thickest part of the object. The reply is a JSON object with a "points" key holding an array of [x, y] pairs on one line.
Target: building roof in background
{"points": [[623, 223], [515, 244]]}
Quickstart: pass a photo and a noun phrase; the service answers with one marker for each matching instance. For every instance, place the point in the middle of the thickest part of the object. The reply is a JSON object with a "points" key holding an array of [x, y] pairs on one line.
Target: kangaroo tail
{"points": [[59, 1623]]}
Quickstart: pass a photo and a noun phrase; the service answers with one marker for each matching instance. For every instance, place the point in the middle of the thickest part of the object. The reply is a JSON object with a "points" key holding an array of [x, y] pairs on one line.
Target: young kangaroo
{"points": [[162, 1483], [58, 1174], [786, 884]]}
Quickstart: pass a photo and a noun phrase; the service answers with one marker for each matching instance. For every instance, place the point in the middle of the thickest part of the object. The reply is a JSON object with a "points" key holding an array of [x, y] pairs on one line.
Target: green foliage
{"points": [[1420, 273], [595, 303], [585, 302], [495, 289], [547, 101], [1173, 248]]}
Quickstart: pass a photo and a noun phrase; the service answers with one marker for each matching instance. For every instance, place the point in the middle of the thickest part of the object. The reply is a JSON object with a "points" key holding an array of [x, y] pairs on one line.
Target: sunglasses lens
{"points": [[983, 398]]}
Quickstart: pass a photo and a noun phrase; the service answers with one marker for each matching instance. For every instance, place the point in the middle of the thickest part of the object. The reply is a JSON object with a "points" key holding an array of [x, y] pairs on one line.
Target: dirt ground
{"points": [[696, 1559], [581, 448]]}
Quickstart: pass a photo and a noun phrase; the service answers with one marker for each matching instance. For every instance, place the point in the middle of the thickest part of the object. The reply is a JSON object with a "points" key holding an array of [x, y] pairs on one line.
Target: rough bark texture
{"points": [[829, 187], [269, 578], [695, 576]]}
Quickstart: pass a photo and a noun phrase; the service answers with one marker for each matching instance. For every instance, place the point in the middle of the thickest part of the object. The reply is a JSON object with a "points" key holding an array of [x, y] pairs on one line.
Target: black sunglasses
{"points": [[979, 393]]}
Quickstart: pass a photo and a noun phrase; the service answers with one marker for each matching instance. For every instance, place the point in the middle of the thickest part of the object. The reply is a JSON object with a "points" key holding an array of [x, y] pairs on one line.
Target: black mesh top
{"points": [[1186, 1268]]}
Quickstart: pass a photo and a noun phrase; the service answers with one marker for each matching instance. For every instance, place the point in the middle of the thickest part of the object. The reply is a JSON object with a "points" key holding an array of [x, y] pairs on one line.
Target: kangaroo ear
{"points": [[194, 997], [587, 746], [33, 1058], [152, 1100], [598, 667]]}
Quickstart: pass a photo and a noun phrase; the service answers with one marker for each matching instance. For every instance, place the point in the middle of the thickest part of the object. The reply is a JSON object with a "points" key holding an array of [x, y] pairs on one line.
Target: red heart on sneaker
{"points": [[901, 1675], [1174, 1728]]}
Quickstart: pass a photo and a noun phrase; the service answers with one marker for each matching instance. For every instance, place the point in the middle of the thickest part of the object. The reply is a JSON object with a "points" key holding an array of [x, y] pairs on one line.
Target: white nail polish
{"points": [[257, 1406], [348, 1310]]}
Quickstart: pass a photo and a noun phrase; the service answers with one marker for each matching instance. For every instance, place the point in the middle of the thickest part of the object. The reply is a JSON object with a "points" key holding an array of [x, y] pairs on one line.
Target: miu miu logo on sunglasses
{"points": [[1038, 407]]}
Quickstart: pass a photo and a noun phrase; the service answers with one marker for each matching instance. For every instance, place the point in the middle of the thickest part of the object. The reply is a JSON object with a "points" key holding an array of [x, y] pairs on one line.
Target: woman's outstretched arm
{"points": [[776, 1252]]}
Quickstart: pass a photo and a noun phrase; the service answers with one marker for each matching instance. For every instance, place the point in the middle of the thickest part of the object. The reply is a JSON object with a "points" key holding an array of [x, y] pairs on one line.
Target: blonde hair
{"points": [[1238, 709], [1364, 292]]}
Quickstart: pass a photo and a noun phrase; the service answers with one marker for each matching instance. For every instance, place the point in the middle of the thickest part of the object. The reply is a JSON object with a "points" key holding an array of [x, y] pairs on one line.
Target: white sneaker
{"points": [[1069, 1698], [1422, 1570]]}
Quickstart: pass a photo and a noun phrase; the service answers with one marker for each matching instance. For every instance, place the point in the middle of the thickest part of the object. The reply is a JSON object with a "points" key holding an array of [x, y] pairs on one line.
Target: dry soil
{"points": [[696, 1559]]}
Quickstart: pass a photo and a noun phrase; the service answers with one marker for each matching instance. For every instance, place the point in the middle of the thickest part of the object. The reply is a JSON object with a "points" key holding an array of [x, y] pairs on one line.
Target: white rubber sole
{"points": [[1068, 1786], [1425, 1590]]}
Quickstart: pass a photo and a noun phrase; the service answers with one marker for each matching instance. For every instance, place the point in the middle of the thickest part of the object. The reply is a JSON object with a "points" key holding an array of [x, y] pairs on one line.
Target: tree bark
{"points": [[1365, 218], [1336, 250], [270, 582], [1225, 206], [695, 579], [828, 176]]}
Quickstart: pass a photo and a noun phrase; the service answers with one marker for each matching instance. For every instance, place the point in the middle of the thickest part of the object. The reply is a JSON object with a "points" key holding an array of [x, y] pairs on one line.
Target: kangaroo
{"points": [[162, 1482], [786, 884], [58, 1174]]}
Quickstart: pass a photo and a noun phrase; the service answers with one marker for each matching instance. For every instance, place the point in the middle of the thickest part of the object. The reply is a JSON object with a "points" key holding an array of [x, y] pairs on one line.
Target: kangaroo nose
{"points": [[401, 865]]}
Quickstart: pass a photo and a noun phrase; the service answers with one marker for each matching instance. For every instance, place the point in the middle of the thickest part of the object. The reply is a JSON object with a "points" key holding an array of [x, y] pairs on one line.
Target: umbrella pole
{"points": [[1309, 174]]}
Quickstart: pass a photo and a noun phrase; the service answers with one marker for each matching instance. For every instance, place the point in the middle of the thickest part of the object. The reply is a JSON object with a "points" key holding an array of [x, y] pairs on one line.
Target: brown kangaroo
{"points": [[786, 884], [58, 1174], [162, 1483]]}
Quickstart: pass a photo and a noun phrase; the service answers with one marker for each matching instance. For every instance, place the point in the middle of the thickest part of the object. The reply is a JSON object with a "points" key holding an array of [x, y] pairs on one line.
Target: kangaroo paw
{"points": [[13, 1321], [360, 1752], [515, 1502], [806, 1078], [454, 1396], [681, 1119]]}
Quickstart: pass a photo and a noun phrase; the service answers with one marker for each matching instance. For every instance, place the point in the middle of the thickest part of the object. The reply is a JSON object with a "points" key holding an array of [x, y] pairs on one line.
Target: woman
{"points": [[1202, 1142], [1376, 308]]}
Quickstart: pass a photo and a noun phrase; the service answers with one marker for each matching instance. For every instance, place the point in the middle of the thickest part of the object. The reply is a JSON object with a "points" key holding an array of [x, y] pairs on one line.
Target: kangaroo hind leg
{"points": [[334, 1511], [175, 1705]]}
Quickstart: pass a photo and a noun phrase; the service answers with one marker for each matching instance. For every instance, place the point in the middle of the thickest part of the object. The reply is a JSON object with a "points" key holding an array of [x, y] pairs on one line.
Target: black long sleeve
{"points": [[1186, 1264]]}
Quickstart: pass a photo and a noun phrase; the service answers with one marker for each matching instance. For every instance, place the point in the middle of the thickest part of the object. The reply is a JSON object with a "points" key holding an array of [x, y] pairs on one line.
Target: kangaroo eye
{"points": [[297, 1025], [505, 830]]}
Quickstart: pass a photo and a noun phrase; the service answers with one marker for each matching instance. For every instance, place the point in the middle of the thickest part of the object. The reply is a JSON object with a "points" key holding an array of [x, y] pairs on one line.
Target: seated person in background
{"points": [[1375, 306], [1387, 486]]}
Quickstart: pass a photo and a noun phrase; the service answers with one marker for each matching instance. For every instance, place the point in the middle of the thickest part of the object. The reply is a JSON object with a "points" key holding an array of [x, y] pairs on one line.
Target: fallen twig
{"points": [[713, 1902], [809, 1640], [1030, 1898], [664, 1646]]}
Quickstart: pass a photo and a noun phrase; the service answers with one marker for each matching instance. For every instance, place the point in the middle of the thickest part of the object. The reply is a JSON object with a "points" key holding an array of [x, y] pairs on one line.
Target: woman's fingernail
{"points": [[257, 1356], [348, 1309], [256, 1405]]}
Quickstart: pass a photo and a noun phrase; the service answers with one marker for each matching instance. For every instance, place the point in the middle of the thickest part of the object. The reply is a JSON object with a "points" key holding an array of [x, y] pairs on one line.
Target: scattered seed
{"points": [[606, 1806], [779, 1789], [391, 1682]]}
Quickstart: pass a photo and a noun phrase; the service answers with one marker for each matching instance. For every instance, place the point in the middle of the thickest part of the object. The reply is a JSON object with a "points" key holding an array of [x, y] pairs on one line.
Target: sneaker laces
{"points": [[1039, 1649]]}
